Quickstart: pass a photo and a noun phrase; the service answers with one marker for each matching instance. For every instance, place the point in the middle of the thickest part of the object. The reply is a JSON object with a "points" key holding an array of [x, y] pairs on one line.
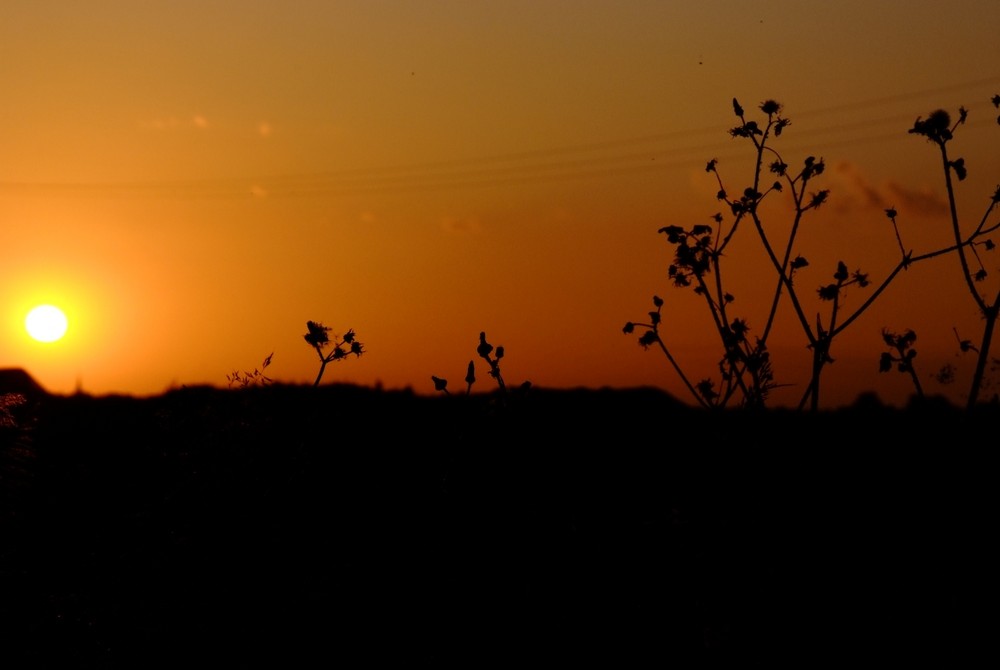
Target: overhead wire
{"points": [[621, 157]]}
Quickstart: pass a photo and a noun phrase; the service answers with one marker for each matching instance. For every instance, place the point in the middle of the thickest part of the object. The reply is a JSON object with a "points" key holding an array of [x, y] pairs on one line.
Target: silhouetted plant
{"points": [[470, 379], [253, 378], [901, 355], [939, 130], [745, 367], [318, 337], [492, 356]]}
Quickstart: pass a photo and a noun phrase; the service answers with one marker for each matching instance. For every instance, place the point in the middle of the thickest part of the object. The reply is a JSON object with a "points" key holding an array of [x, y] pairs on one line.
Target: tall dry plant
{"points": [[939, 129], [702, 253]]}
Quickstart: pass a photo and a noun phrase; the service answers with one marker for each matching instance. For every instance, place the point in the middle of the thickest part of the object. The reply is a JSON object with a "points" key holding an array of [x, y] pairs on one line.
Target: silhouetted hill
{"points": [[346, 524], [17, 380]]}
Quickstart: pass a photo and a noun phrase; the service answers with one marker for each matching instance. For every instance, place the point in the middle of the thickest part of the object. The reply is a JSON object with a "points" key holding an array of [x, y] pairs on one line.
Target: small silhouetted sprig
{"points": [[843, 279], [891, 214], [492, 356], [485, 349], [470, 379], [901, 354], [318, 337], [703, 392], [937, 127], [256, 377], [693, 253], [964, 346]]}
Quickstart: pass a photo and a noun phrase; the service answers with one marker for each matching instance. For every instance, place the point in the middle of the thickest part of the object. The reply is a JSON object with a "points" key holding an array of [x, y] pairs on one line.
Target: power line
{"points": [[626, 156]]}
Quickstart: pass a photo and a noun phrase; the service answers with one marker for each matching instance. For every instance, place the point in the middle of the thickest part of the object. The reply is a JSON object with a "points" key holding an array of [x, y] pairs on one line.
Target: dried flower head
{"points": [[318, 335]]}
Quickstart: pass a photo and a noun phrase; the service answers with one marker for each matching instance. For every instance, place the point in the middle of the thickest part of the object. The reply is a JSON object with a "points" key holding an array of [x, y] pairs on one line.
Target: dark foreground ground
{"points": [[346, 527]]}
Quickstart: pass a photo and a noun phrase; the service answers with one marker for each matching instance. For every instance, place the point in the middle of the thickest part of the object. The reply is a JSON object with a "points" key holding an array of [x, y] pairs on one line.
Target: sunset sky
{"points": [[192, 181]]}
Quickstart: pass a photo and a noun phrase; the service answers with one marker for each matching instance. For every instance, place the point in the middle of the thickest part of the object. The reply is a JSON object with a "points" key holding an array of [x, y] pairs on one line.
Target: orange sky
{"points": [[192, 181]]}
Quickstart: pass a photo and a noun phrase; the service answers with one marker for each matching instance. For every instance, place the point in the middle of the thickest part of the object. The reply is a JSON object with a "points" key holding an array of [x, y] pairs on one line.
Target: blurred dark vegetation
{"points": [[345, 525]]}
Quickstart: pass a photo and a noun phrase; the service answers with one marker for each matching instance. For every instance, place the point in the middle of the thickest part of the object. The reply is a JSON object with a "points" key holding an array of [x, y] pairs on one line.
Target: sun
{"points": [[46, 323]]}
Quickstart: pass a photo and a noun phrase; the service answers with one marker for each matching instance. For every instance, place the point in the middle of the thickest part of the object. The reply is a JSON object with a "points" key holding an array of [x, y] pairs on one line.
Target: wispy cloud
{"points": [[161, 123], [164, 123], [853, 190], [461, 225], [262, 129], [919, 201]]}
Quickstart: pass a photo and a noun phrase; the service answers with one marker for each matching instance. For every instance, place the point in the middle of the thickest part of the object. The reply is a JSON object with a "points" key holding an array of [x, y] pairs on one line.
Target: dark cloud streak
{"points": [[857, 192]]}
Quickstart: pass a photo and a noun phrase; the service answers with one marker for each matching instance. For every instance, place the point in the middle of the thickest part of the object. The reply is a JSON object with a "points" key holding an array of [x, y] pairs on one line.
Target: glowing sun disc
{"points": [[46, 323]]}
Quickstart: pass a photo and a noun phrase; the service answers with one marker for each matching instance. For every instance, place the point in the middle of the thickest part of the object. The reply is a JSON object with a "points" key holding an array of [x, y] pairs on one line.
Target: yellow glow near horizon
{"points": [[46, 323]]}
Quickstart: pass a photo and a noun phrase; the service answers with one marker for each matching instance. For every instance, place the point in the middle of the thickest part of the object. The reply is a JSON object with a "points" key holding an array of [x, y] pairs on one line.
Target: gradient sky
{"points": [[192, 181]]}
